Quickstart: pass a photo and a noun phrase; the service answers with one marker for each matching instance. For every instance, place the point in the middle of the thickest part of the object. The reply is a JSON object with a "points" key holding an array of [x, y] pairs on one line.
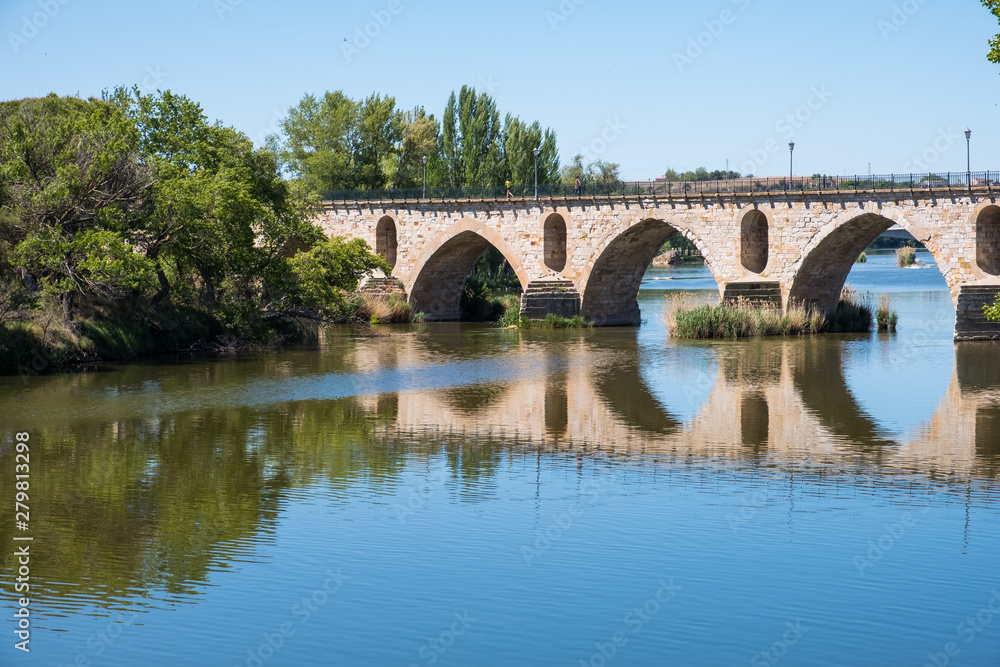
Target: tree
{"points": [[519, 143], [994, 54], [319, 140], [470, 141], [700, 174], [375, 142], [73, 188], [598, 172], [223, 228], [420, 139]]}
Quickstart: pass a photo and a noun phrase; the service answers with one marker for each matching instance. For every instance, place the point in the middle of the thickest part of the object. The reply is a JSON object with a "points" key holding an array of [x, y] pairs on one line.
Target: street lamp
{"points": [[425, 176], [791, 153], [536, 172], [968, 157]]}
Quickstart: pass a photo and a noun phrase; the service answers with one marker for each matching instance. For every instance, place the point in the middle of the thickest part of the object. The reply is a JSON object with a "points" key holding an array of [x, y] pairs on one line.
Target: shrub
{"points": [[906, 256], [885, 316]]}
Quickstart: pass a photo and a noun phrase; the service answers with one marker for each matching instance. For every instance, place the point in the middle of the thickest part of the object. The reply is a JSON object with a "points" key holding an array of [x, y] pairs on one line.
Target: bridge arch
{"points": [[554, 242], [987, 220], [754, 240], [385, 240], [829, 257], [612, 283], [436, 290]]}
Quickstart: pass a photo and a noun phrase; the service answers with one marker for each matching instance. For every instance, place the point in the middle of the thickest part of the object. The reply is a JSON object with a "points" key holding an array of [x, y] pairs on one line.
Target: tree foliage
{"points": [[700, 174], [994, 54], [598, 172], [993, 310], [135, 200], [337, 143], [73, 187]]}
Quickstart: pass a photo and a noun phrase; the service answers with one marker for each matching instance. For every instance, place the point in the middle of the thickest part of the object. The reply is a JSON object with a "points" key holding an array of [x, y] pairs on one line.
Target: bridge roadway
{"points": [[587, 255]]}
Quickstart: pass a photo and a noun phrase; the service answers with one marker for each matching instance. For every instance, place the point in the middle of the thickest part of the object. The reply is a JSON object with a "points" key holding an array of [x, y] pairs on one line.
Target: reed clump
{"points": [[750, 319], [906, 256], [382, 308], [885, 316]]}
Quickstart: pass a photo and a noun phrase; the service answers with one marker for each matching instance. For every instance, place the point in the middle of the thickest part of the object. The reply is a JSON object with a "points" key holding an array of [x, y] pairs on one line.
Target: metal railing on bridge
{"points": [[950, 181]]}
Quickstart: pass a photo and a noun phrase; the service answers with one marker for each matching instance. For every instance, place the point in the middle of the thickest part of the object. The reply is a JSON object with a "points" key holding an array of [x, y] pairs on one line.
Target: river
{"points": [[464, 495]]}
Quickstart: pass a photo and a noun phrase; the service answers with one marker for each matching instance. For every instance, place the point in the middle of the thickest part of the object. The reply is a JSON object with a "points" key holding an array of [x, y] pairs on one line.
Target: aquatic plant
{"points": [[906, 256]]}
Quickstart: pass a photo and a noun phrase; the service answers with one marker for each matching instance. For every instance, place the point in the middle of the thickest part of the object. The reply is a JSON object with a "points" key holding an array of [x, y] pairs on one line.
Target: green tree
{"points": [[73, 188], [318, 140], [519, 143], [994, 54], [420, 140], [375, 142], [470, 141], [598, 172]]}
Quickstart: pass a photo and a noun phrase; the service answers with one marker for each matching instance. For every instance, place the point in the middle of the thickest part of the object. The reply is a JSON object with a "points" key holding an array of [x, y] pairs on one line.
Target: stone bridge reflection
{"points": [[787, 399]]}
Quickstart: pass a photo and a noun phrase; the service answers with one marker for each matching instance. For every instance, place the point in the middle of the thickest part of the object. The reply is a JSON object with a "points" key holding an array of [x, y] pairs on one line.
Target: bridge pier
{"points": [[550, 295], [970, 321], [759, 292]]}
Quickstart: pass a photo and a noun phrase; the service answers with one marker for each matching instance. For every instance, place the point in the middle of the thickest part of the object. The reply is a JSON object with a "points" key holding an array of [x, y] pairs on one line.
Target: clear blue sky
{"points": [[891, 88]]}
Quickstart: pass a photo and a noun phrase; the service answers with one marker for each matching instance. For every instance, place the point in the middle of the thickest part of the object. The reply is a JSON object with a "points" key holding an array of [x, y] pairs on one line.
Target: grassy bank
{"points": [[745, 319], [39, 340]]}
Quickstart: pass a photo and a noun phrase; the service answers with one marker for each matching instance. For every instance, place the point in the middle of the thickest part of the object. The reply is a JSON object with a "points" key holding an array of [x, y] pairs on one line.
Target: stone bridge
{"points": [[587, 255]]}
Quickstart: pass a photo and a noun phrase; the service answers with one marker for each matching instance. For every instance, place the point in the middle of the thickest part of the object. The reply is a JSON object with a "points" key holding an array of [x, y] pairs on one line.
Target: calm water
{"points": [[473, 496]]}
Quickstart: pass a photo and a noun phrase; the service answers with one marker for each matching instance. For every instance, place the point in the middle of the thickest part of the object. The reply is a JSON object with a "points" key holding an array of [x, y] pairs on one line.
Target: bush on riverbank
{"points": [[906, 256], [746, 319], [862, 258]]}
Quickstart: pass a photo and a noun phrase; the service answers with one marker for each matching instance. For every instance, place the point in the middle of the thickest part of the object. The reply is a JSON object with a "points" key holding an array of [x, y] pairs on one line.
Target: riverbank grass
{"points": [[749, 319]]}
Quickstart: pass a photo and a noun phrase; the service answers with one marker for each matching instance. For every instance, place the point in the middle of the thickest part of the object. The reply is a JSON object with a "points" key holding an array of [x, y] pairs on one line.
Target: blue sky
{"points": [[648, 85]]}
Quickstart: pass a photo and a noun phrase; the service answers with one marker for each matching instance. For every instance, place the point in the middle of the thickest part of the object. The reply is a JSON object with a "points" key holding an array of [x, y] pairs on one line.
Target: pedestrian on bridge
{"points": [[577, 187], [510, 195]]}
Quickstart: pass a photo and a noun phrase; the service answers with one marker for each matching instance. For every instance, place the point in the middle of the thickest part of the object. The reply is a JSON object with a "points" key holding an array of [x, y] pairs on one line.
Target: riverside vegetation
{"points": [[748, 319], [132, 225]]}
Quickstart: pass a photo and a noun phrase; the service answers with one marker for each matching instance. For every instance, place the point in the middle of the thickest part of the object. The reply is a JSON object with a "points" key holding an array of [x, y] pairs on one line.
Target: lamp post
{"points": [[425, 176], [968, 157], [791, 171], [536, 172]]}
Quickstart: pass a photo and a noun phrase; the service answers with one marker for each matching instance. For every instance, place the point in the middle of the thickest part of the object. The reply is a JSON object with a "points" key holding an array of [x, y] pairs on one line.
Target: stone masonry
{"points": [[596, 250]]}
